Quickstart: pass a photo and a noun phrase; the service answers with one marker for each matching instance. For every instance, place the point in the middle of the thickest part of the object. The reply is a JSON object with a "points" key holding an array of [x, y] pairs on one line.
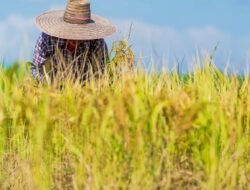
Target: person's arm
{"points": [[100, 54], [39, 57]]}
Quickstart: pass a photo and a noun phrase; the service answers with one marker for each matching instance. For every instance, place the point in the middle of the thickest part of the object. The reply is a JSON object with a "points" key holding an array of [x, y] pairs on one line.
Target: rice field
{"points": [[128, 129]]}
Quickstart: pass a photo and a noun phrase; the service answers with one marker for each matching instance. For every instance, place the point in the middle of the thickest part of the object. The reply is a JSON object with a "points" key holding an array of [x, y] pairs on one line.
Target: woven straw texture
{"points": [[53, 23]]}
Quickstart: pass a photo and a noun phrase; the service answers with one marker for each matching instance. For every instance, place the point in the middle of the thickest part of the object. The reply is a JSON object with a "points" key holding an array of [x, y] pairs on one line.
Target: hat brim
{"points": [[52, 23]]}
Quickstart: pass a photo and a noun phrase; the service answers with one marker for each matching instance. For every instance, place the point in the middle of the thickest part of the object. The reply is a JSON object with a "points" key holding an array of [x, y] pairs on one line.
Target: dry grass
{"points": [[127, 129]]}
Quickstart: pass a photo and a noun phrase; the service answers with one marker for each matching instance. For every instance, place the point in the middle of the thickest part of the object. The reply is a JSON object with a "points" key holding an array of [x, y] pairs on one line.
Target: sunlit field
{"points": [[126, 129]]}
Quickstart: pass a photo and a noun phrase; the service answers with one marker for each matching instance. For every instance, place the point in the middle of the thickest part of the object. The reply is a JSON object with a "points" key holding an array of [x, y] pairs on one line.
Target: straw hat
{"points": [[75, 23]]}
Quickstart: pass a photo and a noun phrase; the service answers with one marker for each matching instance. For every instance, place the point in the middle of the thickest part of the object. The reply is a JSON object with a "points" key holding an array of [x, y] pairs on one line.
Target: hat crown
{"points": [[77, 12]]}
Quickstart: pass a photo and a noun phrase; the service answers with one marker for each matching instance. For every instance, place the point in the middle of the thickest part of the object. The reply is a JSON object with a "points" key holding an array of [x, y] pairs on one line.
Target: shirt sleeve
{"points": [[100, 54], [39, 57]]}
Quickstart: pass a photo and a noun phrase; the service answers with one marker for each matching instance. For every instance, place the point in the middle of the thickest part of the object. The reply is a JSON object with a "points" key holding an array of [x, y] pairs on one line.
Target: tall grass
{"points": [[128, 129]]}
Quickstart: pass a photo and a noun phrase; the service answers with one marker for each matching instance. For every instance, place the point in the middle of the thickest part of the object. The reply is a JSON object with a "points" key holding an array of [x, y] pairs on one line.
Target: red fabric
{"points": [[71, 47]]}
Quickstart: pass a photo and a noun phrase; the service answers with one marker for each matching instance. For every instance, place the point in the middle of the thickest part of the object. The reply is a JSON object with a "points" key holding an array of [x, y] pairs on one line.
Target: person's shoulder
{"points": [[98, 41], [51, 39], [101, 40], [44, 38], [47, 36], [95, 43]]}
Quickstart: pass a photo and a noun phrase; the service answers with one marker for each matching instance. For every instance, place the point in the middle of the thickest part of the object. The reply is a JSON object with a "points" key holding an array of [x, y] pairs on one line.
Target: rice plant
{"points": [[127, 129]]}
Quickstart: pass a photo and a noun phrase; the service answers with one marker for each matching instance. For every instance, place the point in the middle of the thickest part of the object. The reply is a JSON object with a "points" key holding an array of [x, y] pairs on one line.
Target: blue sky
{"points": [[169, 29]]}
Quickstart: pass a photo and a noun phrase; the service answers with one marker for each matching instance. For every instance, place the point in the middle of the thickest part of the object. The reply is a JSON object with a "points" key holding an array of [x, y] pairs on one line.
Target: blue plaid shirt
{"points": [[87, 52]]}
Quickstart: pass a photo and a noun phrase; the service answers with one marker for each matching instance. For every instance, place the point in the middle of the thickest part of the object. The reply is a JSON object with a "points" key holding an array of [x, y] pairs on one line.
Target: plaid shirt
{"points": [[89, 51]]}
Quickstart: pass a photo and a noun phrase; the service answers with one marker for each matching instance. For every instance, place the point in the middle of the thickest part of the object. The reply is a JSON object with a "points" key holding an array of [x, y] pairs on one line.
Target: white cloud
{"points": [[150, 34], [57, 7], [2, 33], [185, 43], [18, 35]]}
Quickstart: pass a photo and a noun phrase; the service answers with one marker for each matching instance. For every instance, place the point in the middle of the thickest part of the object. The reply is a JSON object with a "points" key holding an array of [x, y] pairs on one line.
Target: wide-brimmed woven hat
{"points": [[75, 22]]}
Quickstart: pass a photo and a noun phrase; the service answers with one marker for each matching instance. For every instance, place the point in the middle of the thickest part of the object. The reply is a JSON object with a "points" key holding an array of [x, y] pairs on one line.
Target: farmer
{"points": [[74, 38]]}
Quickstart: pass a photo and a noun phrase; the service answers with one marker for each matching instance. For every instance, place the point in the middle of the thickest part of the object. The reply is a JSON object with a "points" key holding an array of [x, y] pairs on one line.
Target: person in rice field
{"points": [[71, 40]]}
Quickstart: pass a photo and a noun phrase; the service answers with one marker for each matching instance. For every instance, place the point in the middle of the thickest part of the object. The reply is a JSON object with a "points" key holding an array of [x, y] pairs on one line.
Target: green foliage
{"points": [[127, 129]]}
